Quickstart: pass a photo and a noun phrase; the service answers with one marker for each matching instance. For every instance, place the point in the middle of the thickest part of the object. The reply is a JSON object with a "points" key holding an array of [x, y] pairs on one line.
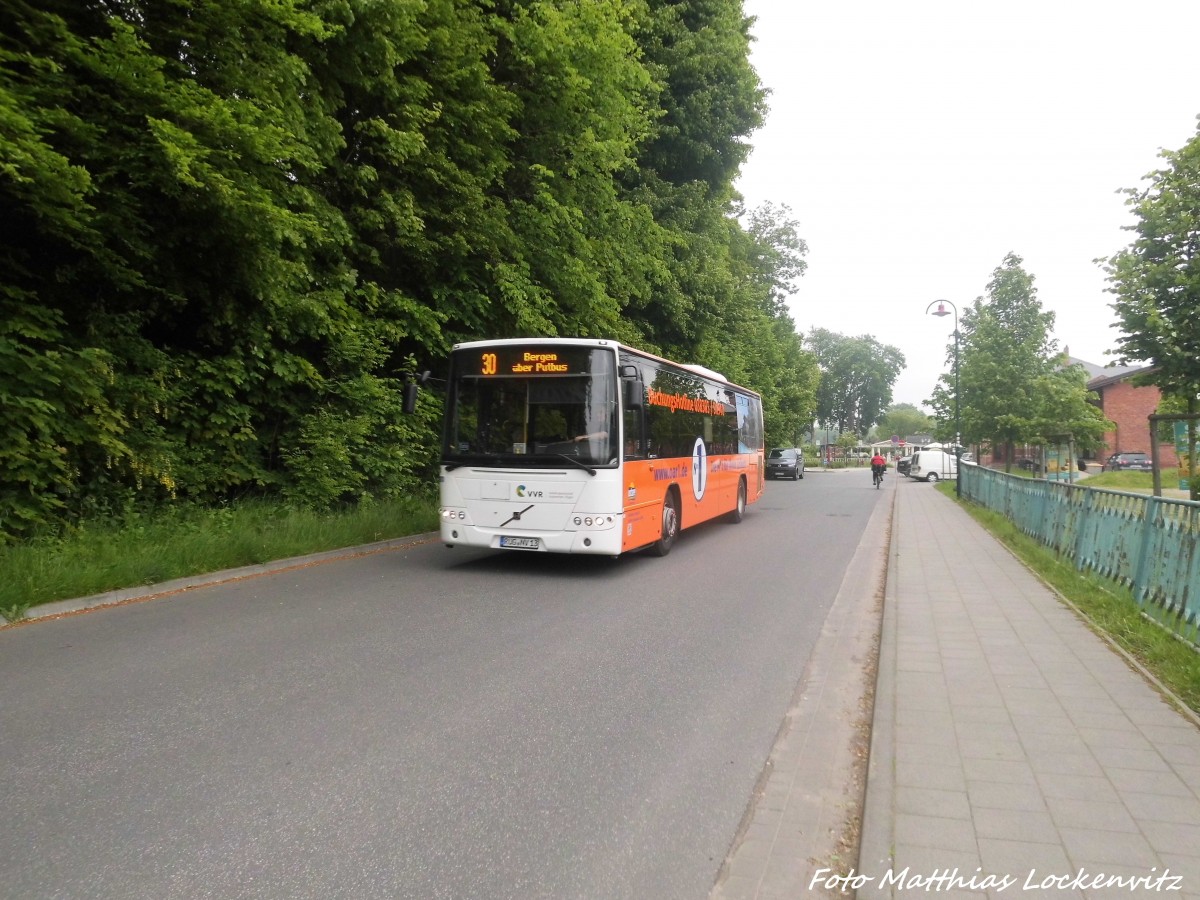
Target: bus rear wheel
{"points": [[739, 511], [670, 525]]}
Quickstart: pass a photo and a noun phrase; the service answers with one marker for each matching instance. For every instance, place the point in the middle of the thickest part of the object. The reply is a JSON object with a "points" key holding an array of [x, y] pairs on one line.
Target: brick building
{"points": [[1127, 406]]}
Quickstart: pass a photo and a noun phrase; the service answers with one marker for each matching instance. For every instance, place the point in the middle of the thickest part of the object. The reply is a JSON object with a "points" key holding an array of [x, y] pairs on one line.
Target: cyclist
{"points": [[878, 467]]}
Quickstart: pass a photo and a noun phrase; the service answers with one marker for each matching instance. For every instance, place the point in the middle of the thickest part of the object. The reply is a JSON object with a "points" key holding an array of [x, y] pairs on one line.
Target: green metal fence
{"points": [[1148, 544]]}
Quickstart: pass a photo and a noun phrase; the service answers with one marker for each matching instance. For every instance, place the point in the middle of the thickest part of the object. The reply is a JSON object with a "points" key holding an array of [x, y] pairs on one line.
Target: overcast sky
{"points": [[918, 143]]}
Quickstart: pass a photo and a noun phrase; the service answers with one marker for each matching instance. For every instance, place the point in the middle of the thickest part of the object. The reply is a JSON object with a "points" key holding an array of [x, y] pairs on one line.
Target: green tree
{"points": [[766, 350], [1068, 409], [776, 256], [1156, 280], [713, 279], [584, 104], [709, 100], [1005, 346], [903, 419], [847, 442], [1014, 387], [857, 374]]}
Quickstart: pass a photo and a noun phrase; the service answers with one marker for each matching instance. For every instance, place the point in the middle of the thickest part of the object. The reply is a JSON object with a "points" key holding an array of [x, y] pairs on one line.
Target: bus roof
{"points": [[603, 342], [705, 371]]}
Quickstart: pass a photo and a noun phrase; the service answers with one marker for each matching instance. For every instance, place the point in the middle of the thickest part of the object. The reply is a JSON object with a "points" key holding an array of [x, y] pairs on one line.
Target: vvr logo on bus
{"points": [[523, 491]]}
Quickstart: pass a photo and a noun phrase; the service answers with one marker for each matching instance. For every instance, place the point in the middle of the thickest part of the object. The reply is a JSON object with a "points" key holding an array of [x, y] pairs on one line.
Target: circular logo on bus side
{"points": [[699, 469]]}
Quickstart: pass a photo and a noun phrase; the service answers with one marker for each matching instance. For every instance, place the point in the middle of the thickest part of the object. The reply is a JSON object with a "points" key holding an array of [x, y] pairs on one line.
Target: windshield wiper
{"points": [[573, 461]]}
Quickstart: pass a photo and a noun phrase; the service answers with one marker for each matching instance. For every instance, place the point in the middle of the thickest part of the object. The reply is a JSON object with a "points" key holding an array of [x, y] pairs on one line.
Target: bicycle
{"points": [[877, 475]]}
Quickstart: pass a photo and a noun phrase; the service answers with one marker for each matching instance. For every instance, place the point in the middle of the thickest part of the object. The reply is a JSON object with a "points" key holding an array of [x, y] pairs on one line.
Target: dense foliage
{"points": [[233, 228], [1015, 387]]}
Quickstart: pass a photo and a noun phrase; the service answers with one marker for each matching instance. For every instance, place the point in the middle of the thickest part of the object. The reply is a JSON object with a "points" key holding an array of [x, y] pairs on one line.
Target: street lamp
{"points": [[939, 312]]}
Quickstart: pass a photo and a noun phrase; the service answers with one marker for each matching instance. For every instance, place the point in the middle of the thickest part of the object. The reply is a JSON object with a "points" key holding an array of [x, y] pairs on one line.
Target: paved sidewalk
{"points": [[1012, 747]]}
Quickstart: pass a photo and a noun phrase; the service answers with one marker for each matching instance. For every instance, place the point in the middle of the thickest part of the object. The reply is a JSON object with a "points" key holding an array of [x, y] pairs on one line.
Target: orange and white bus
{"points": [[571, 445]]}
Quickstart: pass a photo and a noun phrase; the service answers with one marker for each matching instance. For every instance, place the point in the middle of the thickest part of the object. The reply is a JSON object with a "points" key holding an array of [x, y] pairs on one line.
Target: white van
{"points": [[933, 463]]}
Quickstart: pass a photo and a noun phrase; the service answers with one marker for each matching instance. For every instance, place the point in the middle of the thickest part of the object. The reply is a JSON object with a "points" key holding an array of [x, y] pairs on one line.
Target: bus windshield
{"points": [[528, 405]]}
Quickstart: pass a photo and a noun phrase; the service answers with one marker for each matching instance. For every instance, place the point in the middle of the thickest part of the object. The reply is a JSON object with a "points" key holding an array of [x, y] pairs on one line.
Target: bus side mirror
{"points": [[410, 398], [633, 393], [411, 387]]}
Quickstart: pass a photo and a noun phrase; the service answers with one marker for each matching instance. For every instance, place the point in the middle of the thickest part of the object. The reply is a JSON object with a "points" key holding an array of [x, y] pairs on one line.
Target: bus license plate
{"points": [[521, 543]]}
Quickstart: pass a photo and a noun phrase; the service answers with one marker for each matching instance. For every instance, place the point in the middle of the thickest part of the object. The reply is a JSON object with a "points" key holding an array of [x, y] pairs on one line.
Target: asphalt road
{"points": [[421, 723]]}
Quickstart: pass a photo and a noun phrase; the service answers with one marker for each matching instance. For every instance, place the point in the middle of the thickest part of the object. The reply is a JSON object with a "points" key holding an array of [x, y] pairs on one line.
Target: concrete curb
{"points": [[877, 838]]}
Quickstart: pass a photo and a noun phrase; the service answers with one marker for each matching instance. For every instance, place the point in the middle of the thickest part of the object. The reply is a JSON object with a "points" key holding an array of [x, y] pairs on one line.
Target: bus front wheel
{"points": [[670, 525]]}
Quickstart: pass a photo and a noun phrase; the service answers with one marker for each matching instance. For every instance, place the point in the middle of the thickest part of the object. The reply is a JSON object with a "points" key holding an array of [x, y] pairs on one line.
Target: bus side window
{"points": [[634, 446]]}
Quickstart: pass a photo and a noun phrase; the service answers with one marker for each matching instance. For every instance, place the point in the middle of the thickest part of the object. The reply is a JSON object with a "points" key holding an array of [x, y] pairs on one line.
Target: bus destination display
{"points": [[537, 361]]}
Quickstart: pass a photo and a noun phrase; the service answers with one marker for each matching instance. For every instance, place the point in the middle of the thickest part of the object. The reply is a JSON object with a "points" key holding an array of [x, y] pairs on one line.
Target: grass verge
{"points": [[1109, 608], [191, 541], [1136, 482]]}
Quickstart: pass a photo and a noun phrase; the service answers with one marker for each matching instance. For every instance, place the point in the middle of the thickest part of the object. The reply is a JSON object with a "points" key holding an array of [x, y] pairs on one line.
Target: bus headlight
{"points": [[595, 522]]}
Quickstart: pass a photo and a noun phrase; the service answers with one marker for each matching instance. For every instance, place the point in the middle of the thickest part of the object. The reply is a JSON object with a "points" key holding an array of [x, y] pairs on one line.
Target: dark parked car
{"points": [[785, 462], [1137, 462], [902, 465]]}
